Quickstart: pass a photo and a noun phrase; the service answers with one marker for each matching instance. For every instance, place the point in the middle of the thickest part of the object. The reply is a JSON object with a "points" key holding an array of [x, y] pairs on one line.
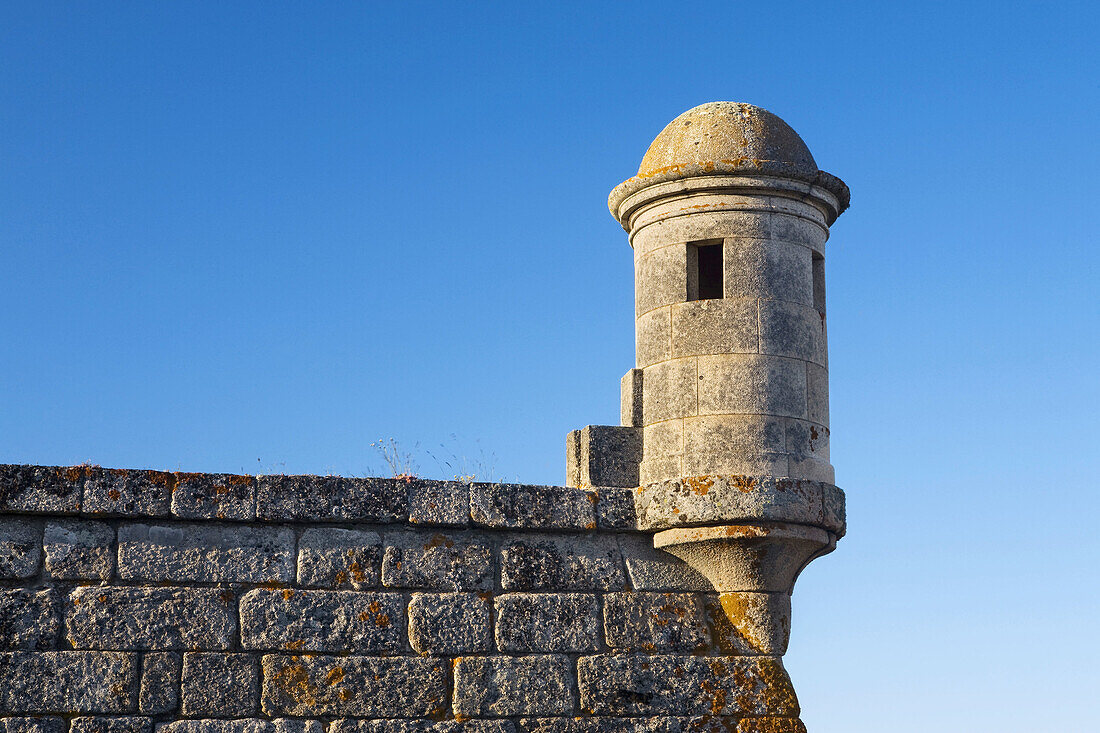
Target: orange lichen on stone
{"points": [[699, 485]]}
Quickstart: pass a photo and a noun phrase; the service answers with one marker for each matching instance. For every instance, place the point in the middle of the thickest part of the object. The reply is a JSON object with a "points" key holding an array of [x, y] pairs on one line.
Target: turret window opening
{"points": [[704, 270], [819, 283]]}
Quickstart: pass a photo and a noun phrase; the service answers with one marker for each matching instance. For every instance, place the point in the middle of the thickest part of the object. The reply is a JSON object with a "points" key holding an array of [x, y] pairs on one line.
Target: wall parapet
{"points": [[134, 601]]}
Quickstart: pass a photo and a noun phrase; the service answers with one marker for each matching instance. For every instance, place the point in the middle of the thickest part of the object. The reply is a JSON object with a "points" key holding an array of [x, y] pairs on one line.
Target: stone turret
{"points": [[725, 417]]}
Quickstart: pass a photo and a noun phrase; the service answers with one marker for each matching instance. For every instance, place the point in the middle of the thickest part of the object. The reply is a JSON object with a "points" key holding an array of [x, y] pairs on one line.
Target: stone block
{"points": [[329, 557], [542, 562], [807, 439], [660, 622], [770, 725], [41, 489], [79, 550], [759, 268], [615, 508], [119, 492], [630, 684], [606, 455], [206, 553], [29, 619], [651, 569], [630, 399], [660, 278], [500, 687], [214, 496], [662, 451], [421, 726], [455, 562], [833, 513], [152, 619], [450, 623], [792, 330], [354, 686], [43, 724], [713, 500], [70, 682], [547, 622], [671, 390], [653, 336], [531, 507], [722, 326], [219, 685], [332, 499], [20, 548], [817, 394], [322, 620], [724, 443], [118, 724], [439, 503], [606, 725], [243, 725], [749, 623], [751, 384], [800, 231], [160, 683]]}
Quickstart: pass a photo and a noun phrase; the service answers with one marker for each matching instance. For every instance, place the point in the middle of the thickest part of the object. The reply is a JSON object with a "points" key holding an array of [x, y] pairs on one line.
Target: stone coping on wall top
{"points": [[127, 493]]}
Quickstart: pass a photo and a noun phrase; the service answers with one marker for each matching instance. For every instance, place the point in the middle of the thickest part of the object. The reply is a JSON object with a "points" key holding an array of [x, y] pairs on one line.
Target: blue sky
{"points": [[259, 237]]}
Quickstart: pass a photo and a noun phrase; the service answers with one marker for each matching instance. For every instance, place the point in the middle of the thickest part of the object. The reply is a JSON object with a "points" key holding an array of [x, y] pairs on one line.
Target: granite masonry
{"points": [[651, 594]]}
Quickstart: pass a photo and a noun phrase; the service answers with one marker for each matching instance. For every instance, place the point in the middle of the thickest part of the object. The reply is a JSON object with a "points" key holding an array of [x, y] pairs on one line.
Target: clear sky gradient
{"points": [[258, 237]]}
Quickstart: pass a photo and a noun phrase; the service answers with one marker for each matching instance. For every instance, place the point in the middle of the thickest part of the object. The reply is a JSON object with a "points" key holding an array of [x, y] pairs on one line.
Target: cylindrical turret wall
{"points": [[737, 382], [728, 217]]}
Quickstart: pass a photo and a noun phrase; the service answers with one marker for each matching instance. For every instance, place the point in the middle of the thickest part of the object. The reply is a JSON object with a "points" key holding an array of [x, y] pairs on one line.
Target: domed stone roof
{"points": [[729, 133], [728, 139]]}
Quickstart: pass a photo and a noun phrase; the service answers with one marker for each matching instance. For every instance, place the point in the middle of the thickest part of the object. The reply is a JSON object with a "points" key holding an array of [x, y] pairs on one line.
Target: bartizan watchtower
{"points": [[725, 416]]}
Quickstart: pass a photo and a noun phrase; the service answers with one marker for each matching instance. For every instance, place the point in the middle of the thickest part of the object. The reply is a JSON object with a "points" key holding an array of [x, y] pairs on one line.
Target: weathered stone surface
{"points": [[754, 384], [245, 725], [547, 622], [439, 503], [208, 553], [749, 624], [29, 619], [118, 492], [219, 685], [120, 724], [834, 517], [655, 622], [605, 455], [771, 725], [500, 687], [20, 548], [793, 330], [607, 725], [214, 496], [367, 687], [321, 620], [547, 562], [160, 682], [630, 398], [531, 507], [339, 558], [722, 326], [421, 726], [453, 561], [331, 498], [44, 724], [684, 685], [151, 618], [615, 508], [725, 499], [653, 336], [651, 569], [68, 682], [79, 550], [41, 489], [449, 623], [671, 390]]}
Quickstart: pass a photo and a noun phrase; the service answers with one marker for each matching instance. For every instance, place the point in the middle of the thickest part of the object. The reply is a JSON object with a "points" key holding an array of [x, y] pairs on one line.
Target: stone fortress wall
{"points": [[197, 603], [133, 601]]}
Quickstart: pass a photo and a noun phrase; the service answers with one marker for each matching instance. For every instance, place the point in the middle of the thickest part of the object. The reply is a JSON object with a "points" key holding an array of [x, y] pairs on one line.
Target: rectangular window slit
{"points": [[705, 270]]}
